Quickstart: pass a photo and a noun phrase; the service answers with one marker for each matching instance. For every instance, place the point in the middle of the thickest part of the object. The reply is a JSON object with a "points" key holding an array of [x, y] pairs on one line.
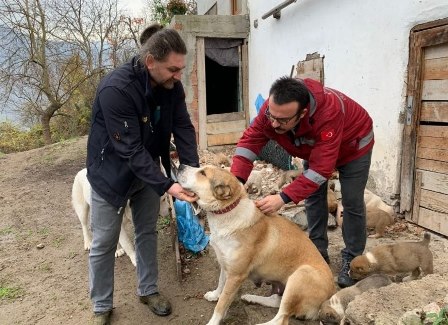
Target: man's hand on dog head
{"points": [[180, 193], [270, 204]]}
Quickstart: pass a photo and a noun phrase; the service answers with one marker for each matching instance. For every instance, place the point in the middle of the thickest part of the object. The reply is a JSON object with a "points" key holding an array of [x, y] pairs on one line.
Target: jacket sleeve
{"points": [[124, 131], [184, 132], [323, 157], [250, 145]]}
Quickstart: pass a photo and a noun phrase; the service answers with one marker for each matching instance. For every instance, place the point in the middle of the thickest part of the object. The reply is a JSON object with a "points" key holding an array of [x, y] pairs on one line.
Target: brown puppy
{"points": [[392, 259], [221, 160], [332, 311], [378, 219], [252, 245]]}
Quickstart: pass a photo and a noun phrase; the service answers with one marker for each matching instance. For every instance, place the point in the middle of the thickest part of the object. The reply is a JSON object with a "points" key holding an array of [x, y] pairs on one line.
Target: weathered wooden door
{"points": [[424, 174]]}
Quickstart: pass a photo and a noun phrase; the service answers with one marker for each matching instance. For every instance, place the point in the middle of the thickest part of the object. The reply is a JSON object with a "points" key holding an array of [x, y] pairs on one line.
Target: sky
{"points": [[134, 7]]}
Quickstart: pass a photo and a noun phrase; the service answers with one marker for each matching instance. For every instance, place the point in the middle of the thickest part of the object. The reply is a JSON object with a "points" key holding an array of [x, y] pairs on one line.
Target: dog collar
{"points": [[227, 208]]}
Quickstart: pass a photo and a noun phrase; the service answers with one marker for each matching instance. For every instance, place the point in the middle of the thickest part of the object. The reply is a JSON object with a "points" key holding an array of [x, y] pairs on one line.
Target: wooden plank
{"points": [[222, 139], [435, 131], [434, 201], [416, 200], [245, 85], [436, 69], [409, 130], [435, 90], [433, 154], [433, 143], [226, 127], [202, 100], [436, 182], [437, 51], [432, 165], [434, 112], [175, 239], [433, 220], [225, 117]]}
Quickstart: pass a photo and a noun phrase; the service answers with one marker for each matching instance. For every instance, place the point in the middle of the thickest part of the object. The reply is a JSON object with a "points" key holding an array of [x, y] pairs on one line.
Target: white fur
{"points": [[336, 304], [81, 197], [272, 301], [371, 258]]}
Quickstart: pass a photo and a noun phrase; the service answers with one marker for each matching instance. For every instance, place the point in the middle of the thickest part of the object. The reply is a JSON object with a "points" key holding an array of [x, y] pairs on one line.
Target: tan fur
{"points": [[221, 160], [249, 244], [392, 259], [333, 310], [332, 201], [287, 176], [378, 219]]}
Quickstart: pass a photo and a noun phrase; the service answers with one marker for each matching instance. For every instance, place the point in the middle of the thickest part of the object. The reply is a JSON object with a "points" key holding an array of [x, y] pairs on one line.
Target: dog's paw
{"points": [[87, 246], [133, 260], [248, 298], [212, 296], [119, 252]]}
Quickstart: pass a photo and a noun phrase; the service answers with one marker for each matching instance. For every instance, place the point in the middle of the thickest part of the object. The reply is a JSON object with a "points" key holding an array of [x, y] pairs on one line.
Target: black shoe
{"points": [[157, 303], [344, 279]]}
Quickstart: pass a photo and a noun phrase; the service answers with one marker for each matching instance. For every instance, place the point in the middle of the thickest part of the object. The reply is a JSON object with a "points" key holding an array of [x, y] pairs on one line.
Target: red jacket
{"points": [[334, 131]]}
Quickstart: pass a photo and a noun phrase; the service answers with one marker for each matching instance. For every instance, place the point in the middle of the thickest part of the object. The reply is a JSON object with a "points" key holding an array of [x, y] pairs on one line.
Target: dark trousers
{"points": [[353, 178]]}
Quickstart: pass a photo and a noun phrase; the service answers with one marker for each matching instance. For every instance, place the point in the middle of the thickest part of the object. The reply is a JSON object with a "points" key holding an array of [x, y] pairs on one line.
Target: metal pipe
{"points": [[275, 12]]}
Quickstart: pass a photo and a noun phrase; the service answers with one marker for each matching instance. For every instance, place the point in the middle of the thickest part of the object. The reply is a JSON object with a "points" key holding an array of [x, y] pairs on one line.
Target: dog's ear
{"points": [[221, 191]]}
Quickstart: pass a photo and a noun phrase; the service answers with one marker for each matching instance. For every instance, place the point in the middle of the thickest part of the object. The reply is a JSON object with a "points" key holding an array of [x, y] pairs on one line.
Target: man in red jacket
{"points": [[329, 131]]}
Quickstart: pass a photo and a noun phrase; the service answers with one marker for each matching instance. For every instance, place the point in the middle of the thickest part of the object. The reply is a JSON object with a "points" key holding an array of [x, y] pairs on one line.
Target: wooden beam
{"points": [[226, 127], [433, 143], [435, 90], [432, 165], [435, 131], [434, 201], [436, 182], [436, 69], [433, 154], [434, 112], [433, 220], [222, 139], [225, 117], [202, 100]]}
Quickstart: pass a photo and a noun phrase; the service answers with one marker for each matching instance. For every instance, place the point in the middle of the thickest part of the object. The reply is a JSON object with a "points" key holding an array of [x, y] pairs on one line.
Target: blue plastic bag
{"points": [[189, 230]]}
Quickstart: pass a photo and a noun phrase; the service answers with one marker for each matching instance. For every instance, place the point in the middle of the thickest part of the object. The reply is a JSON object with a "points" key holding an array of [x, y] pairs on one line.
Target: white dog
{"points": [[81, 193]]}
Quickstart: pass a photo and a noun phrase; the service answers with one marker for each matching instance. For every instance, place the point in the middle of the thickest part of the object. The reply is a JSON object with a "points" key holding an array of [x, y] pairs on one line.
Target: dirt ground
{"points": [[43, 267]]}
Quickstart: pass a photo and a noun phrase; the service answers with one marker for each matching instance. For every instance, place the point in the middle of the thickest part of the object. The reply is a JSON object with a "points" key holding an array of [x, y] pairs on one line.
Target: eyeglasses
{"points": [[279, 120]]}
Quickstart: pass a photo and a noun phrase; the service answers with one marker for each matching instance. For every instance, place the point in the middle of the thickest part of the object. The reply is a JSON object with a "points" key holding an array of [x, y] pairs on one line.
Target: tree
{"points": [[40, 39], [164, 10]]}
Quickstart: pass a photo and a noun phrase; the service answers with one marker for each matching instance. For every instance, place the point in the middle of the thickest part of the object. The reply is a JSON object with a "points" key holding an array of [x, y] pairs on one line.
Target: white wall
{"points": [[365, 44]]}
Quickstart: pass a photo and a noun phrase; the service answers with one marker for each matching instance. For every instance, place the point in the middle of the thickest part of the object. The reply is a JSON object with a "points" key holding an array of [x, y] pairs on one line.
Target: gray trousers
{"points": [[353, 178], [106, 225]]}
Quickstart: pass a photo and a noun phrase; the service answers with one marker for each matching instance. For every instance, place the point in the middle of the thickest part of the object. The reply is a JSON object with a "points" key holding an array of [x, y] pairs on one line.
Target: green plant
{"points": [[8, 292], [6, 231], [438, 319]]}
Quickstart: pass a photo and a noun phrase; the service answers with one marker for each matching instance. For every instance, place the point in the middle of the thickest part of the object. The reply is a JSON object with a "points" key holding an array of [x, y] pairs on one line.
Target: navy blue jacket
{"points": [[131, 128]]}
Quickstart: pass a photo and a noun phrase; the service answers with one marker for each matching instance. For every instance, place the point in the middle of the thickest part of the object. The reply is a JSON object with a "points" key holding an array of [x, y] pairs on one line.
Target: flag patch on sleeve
{"points": [[326, 135]]}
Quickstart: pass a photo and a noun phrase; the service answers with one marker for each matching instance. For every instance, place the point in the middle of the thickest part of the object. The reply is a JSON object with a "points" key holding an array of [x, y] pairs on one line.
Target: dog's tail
{"points": [[426, 238]]}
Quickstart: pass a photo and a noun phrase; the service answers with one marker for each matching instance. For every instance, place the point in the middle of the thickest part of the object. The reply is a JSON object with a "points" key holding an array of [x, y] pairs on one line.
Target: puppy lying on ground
{"points": [[221, 160], [81, 204], [392, 259], [332, 311], [249, 244]]}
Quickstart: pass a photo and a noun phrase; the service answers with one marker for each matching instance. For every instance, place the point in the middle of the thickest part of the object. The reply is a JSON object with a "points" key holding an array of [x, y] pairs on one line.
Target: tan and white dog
{"points": [[393, 259], [81, 194], [333, 310], [250, 244]]}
